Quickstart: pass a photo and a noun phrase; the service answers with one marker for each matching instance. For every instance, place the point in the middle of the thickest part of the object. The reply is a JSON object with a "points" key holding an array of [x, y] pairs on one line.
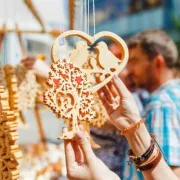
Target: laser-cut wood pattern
{"points": [[68, 95], [104, 65], [100, 113], [9, 151]]}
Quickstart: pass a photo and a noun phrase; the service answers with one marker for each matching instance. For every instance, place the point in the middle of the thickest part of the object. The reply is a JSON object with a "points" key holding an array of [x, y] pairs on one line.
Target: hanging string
{"points": [[61, 29], [81, 6], [63, 51], [85, 16], [94, 17], [88, 18]]}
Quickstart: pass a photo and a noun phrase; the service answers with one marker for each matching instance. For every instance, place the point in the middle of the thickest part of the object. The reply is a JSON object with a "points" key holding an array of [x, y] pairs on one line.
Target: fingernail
{"points": [[81, 128], [79, 135], [116, 76], [64, 130]]}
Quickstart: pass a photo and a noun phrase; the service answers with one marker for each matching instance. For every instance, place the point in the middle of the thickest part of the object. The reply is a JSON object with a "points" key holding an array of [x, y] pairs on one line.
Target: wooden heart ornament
{"points": [[99, 66]]}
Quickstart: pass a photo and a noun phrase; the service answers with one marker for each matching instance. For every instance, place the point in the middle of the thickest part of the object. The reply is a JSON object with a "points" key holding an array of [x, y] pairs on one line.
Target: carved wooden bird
{"points": [[80, 53], [106, 58]]}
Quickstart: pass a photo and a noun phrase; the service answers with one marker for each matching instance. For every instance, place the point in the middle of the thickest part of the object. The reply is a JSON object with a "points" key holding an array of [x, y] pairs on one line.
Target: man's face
{"points": [[140, 68]]}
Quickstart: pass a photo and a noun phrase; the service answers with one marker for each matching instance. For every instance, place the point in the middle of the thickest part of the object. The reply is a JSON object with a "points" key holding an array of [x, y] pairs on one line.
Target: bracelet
{"points": [[138, 160], [135, 126], [152, 164]]}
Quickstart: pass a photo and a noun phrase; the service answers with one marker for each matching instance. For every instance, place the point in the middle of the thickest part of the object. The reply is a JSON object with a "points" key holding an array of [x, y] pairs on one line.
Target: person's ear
{"points": [[159, 62]]}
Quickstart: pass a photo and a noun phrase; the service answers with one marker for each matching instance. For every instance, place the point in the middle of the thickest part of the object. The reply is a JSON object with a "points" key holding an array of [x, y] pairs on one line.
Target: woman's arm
{"points": [[139, 142], [124, 114], [81, 162]]}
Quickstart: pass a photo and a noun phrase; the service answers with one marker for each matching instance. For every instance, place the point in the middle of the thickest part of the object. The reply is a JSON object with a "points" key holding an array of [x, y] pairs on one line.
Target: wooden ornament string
{"points": [[94, 17], [81, 15], [85, 16], [88, 18]]}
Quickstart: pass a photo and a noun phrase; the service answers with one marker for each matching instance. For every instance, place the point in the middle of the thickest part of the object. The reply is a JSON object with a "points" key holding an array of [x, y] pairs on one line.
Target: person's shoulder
{"points": [[165, 97]]}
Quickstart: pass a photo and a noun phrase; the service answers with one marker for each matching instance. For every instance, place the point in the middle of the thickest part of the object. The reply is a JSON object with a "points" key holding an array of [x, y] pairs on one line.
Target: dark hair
{"points": [[155, 42]]}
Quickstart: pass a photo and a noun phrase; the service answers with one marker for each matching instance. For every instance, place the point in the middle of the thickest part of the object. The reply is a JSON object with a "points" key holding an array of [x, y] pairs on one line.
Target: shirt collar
{"points": [[168, 83]]}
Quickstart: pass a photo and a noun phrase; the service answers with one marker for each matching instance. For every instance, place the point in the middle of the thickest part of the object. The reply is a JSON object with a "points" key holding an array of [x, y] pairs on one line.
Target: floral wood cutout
{"points": [[68, 95]]}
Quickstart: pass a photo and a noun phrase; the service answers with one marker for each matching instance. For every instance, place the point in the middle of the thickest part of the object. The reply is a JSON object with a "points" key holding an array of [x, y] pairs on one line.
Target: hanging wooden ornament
{"points": [[28, 87], [68, 95], [104, 66], [41, 80], [9, 150], [27, 84], [101, 115]]}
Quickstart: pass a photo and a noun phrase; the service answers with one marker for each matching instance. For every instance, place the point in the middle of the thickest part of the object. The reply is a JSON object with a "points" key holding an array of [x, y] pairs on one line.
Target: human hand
{"points": [[81, 162], [119, 104], [28, 62]]}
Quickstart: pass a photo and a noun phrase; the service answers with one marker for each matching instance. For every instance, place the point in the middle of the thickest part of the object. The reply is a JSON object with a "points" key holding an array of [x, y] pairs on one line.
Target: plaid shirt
{"points": [[163, 120]]}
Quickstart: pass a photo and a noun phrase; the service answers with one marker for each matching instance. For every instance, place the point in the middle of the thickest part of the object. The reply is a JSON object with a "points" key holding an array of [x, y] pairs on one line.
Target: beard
{"points": [[148, 82]]}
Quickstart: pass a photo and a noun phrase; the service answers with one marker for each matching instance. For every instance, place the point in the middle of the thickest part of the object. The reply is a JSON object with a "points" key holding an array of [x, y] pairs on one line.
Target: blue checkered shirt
{"points": [[162, 115]]}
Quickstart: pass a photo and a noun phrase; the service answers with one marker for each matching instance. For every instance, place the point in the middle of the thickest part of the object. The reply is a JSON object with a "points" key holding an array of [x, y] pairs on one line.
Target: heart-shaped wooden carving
{"points": [[105, 63]]}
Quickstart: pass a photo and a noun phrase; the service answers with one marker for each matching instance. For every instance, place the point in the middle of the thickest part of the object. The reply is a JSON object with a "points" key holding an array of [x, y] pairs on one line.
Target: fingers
{"points": [[104, 99], [120, 87], [108, 94], [78, 152], [112, 89], [69, 152], [85, 145]]}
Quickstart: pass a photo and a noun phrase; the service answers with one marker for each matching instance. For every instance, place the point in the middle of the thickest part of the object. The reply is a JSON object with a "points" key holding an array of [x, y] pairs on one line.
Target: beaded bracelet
{"points": [[134, 127]]}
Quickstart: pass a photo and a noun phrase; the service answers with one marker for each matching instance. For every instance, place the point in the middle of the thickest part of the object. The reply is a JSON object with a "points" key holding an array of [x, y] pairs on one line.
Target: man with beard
{"points": [[152, 63]]}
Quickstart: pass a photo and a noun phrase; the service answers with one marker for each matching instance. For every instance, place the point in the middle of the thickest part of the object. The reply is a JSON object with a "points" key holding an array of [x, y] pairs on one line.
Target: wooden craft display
{"points": [[100, 113], [9, 151], [11, 82], [104, 66], [27, 84], [27, 87], [68, 95], [56, 167], [99, 69]]}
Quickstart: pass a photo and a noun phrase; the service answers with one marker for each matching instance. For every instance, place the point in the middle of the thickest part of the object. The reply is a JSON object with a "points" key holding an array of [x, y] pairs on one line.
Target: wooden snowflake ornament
{"points": [[68, 95]]}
